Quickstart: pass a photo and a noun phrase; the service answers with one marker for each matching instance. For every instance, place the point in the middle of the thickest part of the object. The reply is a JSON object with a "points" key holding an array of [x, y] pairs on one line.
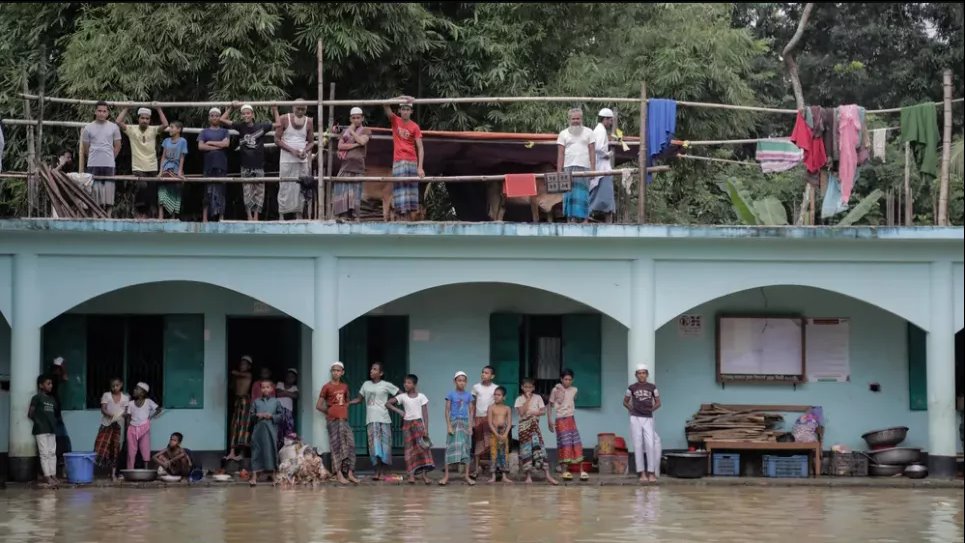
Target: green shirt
{"points": [[43, 405]]}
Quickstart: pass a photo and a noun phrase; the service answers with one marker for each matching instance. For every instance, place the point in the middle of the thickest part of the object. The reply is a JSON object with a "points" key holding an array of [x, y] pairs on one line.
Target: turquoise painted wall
{"points": [[686, 370], [5, 374]]}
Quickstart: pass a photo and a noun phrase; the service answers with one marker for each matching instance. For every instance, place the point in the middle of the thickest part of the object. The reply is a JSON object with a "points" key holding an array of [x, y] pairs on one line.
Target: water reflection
{"points": [[481, 514]]}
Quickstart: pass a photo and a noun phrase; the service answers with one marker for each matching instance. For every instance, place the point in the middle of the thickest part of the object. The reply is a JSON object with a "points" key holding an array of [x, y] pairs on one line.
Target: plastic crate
{"points": [[847, 465], [726, 464], [786, 466]]}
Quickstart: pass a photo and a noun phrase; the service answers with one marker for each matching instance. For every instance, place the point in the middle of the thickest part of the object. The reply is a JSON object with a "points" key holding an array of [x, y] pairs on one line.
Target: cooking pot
{"points": [[888, 437], [916, 471], [898, 456], [885, 470], [686, 465], [139, 474]]}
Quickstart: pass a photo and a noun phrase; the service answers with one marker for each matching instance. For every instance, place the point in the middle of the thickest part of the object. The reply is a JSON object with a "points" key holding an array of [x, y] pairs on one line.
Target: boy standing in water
{"points": [[418, 452], [500, 422], [641, 400], [376, 392], [240, 436], [568, 444], [459, 404], [483, 396], [41, 413], [267, 412], [333, 402], [532, 450]]}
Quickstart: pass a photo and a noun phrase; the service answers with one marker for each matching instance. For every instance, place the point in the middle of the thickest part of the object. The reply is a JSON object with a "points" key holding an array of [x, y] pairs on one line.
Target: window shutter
{"points": [[504, 351], [183, 362], [66, 336], [353, 352], [582, 354], [917, 356]]}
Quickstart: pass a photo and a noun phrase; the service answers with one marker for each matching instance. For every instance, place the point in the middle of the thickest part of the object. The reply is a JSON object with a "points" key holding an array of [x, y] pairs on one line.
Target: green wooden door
{"points": [[504, 351], [66, 336], [353, 352], [917, 368], [183, 362], [582, 354], [395, 339]]}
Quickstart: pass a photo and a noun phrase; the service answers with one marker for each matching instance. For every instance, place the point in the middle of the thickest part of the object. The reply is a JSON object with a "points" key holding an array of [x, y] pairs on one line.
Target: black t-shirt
{"points": [[251, 143], [642, 399]]}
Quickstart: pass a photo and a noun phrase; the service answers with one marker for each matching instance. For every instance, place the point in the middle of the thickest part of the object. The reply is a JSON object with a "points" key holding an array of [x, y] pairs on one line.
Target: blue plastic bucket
{"points": [[80, 467]]}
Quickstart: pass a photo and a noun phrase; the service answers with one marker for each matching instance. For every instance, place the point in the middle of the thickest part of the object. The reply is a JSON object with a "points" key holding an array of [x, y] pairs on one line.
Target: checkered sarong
{"points": [[459, 443], [405, 196]]}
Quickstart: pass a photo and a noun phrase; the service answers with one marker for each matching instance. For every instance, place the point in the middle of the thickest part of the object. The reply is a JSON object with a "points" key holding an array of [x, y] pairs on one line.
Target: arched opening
{"points": [[869, 377]]}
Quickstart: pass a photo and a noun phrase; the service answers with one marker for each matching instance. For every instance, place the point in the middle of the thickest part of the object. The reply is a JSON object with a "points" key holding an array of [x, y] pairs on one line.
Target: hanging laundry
{"points": [[778, 155], [626, 179], [815, 156], [919, 127], [661, 125], [849, 139], [517, 185], [879, 143], [832, 204]]}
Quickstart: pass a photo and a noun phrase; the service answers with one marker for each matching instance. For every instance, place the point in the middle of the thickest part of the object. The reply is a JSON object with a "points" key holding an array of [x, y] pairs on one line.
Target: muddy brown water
{"points": [[483, 514]]}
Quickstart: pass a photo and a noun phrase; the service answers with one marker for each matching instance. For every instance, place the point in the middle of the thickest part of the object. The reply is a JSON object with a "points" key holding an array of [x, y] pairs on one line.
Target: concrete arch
{"points": [[897, 288], [366, 284], [287, 284]]}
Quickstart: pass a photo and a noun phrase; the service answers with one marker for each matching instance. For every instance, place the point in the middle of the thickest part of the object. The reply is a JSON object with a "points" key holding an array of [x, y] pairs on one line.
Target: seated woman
{"points": [[174, 460]]}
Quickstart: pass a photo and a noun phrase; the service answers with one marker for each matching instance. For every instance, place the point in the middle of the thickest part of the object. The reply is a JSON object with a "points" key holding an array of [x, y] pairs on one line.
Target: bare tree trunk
{"points": [[946, 151], [792, 72]]}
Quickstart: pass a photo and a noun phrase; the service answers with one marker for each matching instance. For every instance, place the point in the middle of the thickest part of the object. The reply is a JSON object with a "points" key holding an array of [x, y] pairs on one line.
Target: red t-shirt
{"points": [[815, 155], [404, 134], [336, 398]]}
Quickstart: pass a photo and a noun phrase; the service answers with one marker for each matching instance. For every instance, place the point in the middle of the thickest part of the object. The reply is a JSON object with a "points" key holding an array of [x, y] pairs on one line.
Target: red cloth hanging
{"points": [[517, 185], [815, 155]]}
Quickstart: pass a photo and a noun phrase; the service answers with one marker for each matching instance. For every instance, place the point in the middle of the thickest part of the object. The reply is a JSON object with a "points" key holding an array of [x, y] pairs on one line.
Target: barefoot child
{"points": [[41, 413], [267, 412], [459, 404], [641, 400], [107, 445], [333, 402], [139, 414], [563, 406], [375, 393], [174, 460], [174, 150], [240, 435], [532, 451], [483, 395], [500, 423], [415, 424]]}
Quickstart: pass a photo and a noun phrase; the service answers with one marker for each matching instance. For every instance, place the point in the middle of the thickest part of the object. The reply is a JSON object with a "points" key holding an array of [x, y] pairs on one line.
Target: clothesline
{"points": [[690, 143], [724, 160]]}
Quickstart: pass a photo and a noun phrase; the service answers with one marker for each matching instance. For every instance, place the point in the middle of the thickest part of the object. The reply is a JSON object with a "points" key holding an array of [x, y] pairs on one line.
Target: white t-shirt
{"points": [[576, 149], [113, 407], [140, 415], [412, 406], [286, 402], [534, 405], [376, 394], [484, 397]]}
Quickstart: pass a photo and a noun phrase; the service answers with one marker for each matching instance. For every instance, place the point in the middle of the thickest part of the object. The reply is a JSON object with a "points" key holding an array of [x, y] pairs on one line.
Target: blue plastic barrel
{"points": [[80, 467]]}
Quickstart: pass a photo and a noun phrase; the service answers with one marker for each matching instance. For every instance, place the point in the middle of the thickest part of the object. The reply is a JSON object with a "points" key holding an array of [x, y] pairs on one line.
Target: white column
{"points": [[324, 338], [642, 337], [24, 364], [942, 418]]}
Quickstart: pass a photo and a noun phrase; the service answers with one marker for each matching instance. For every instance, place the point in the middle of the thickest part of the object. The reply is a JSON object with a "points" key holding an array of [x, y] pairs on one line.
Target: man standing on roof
{"points": [[407, 158], [251, 143], [143, 138], [295, 137], [212, 142], [352, 144], [577, 152], [602, 199], [100, 142]]}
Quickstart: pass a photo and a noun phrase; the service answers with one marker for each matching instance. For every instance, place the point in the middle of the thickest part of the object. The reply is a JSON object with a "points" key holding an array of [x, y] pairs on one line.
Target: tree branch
{"points": [[790, 55]]}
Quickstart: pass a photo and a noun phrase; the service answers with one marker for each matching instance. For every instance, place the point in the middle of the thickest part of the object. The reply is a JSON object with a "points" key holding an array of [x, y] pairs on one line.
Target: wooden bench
{"points": [[739, 445]]}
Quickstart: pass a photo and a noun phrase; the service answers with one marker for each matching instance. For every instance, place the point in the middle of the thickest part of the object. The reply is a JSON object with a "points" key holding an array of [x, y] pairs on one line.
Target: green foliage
{"points": [[768, 211], [862, 209]]}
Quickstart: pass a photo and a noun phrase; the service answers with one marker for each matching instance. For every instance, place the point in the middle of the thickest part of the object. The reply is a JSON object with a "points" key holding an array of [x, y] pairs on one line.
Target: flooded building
{"points": [[177, 304]]}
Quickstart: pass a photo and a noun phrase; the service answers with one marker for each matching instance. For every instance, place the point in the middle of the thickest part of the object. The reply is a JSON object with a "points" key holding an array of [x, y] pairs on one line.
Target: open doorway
{"points": [[271, 342]]}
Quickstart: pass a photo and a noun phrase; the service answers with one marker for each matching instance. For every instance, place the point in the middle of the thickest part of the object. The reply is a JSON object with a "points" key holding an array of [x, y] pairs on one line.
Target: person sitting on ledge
{"points": [[174, 460]]}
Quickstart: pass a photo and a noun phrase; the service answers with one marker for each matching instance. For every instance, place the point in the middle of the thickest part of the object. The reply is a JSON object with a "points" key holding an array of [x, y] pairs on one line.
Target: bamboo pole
{"points": [[642, 157], [331, 155], [37, 196], [319, 191], [946, 151], [81, 159], [909, 201], [31, 153]]}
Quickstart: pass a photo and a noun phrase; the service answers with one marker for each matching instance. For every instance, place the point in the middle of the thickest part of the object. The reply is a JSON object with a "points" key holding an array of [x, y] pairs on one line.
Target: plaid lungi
{"points": [[418, 457], [107, 445], [341, 440], [459, 443], [241, 422], [569, 448], [481, 433], [254, 192], [576, 202], [103, 191], [347, 196], [405, 196], [499, 453], [380, 442], [532, 450]]}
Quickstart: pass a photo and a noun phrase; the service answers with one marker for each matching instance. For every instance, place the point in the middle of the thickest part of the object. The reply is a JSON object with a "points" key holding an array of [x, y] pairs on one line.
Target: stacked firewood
{"points": [[717, 422], [68, 198]]}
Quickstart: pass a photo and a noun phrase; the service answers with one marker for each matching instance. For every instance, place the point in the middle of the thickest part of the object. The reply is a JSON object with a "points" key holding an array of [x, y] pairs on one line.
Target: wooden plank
{"points": [[756, 407]]}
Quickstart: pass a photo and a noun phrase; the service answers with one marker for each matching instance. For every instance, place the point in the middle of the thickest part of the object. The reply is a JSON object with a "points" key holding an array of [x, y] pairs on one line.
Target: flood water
{"points": [[484, 514]]}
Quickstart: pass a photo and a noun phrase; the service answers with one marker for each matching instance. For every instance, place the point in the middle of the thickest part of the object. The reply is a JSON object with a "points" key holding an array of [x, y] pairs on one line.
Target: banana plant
{"points": [[768, 211]]}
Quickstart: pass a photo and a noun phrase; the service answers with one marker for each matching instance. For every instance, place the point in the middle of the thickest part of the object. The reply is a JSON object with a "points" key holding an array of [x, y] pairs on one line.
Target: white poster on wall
{"points": [[690, 326], [828, 349]]}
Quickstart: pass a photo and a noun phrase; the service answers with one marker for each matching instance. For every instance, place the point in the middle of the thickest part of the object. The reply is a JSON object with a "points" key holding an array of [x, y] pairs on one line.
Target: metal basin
{"points": [[897, 456], [885, 470], [686, 465], [888, 437], [139, 474], [916, 471]]}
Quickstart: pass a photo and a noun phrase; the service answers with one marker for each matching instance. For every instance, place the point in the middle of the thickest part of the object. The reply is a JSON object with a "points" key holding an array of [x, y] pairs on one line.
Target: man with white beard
{"points": [[577, 152]]}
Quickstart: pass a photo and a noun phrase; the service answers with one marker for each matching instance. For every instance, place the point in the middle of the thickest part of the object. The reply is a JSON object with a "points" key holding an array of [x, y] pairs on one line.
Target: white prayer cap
{"points": [[338, 364], [248, 107], [460, 374], [59, 361], [643, 367], [143, 385], [293, 370], [605, 112], [356, 111], [214, 110], [247, 359], [143, 111]]}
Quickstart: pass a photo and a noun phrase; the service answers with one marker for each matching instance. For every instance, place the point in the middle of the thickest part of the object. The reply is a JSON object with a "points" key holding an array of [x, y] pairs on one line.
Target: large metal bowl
{"points": [[139, 474], [916, 471], [888, 437], [896, 456], [884, 470]]}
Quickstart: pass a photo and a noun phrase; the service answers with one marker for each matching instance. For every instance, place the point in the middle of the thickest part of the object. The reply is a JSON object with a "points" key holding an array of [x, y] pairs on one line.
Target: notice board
{"points": [[760, 349], [828, 349]]}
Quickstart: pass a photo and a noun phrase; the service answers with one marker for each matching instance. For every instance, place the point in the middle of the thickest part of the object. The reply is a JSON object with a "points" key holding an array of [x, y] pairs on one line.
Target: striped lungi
{"points": [[290, 192], [254, 193], [459, 443], [347, 196], [576, 202], [532, 450], [169, 194], [569, 448], [481, 433], [107, 445], [241, 422], [418, 456], [341, 440], [499, 453], [380, 442], [405, 196]]}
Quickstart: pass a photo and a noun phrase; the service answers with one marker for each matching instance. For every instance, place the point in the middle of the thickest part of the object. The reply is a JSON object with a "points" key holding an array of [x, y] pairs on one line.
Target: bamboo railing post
{"points": [[909, 201], [946, 150], [642, 189], [31, 152], [319, 186], [331, 154]]}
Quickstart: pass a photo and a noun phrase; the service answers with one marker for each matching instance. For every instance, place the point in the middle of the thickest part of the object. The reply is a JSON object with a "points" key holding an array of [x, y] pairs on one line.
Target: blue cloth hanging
{"points": [[661, 126], [832, 204]]}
